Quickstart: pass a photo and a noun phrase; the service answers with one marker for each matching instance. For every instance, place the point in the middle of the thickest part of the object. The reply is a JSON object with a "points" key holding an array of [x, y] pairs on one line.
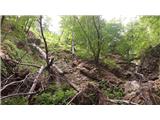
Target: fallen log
{"points": [[54, 68], [36, 80], [43, 55], [18, 94], [88, 73]]}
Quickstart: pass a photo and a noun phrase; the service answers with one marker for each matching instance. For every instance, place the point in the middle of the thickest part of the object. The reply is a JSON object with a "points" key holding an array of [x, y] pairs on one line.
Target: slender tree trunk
{"points": [[2, 20], [44, 39], [87, 37], [73, 45], [99, 40]]}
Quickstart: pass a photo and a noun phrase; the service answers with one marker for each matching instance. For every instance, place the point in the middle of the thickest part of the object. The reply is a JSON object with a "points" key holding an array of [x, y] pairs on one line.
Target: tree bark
{"points": [[73, 45], [36, 80], [99, 40], [45, 43], [2, 20]]}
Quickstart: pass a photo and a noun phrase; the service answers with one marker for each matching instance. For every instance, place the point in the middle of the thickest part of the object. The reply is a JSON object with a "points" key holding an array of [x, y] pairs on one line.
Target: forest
{"points": [[90, 61]]}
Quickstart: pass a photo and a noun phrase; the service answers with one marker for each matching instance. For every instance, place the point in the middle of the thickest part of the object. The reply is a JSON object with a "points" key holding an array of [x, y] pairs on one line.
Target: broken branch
{"points": [[36, 80], [18, 94], [121, 102]]}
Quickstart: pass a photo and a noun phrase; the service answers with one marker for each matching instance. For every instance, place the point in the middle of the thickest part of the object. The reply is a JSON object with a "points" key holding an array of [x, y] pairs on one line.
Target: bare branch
{"points": [[15, 82], [121, 102], [43, 54], [28, 64], [36, 80], [74, 97], [18, 94], [17, 62]]}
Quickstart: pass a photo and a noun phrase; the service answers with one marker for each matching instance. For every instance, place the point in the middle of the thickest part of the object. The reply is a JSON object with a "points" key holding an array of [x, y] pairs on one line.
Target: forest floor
{"points": [[119, 85], [100, 83]]}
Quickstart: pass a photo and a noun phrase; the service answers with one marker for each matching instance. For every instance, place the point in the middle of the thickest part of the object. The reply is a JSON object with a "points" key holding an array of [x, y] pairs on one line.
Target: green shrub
{"points": [[111, 92], [54, 95], [110, 63], [115, 93], [44, 99], [83, 53], [15, 101], [61, 97]]}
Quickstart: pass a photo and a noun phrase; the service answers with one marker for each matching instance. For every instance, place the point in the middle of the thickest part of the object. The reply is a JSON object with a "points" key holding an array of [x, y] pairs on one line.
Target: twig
{"points": [[122, 102], [18, 94], [74, 97], [6, 80], [28, 64], [15, 82], [36, 80]]}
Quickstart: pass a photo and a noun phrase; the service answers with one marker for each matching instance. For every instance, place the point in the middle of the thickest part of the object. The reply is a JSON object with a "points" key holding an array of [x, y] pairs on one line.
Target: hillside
{"points": [[91, 62]]}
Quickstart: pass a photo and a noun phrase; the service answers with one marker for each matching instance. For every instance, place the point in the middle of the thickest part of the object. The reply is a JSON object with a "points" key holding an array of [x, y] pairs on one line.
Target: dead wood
{"points": [[90, 95], [74, 97], [14, 82], [122, 102], [43, 55], [144, 93], [18, 94], [36, 80], [89, 74]]}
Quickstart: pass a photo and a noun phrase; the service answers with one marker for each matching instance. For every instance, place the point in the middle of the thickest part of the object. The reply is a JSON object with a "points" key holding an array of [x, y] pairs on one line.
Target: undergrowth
{"points": [[15, 101], [110, 63], [111, 92], [54, 96]]}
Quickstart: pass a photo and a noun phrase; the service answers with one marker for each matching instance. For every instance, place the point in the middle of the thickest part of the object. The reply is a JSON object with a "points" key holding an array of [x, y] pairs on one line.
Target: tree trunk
{"points": [[2, 20], [73, 45]]}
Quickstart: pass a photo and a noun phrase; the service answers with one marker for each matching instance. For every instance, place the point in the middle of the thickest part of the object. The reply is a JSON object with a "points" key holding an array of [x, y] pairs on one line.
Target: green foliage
{"points": [[21, 54], [94, 38], [44, 99], [17, 26], [93, 34], [83, 53], [139, 35], [15, 101], [87, 30], [55, 96], [12, 49], [112, 92], [110, 63]]}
